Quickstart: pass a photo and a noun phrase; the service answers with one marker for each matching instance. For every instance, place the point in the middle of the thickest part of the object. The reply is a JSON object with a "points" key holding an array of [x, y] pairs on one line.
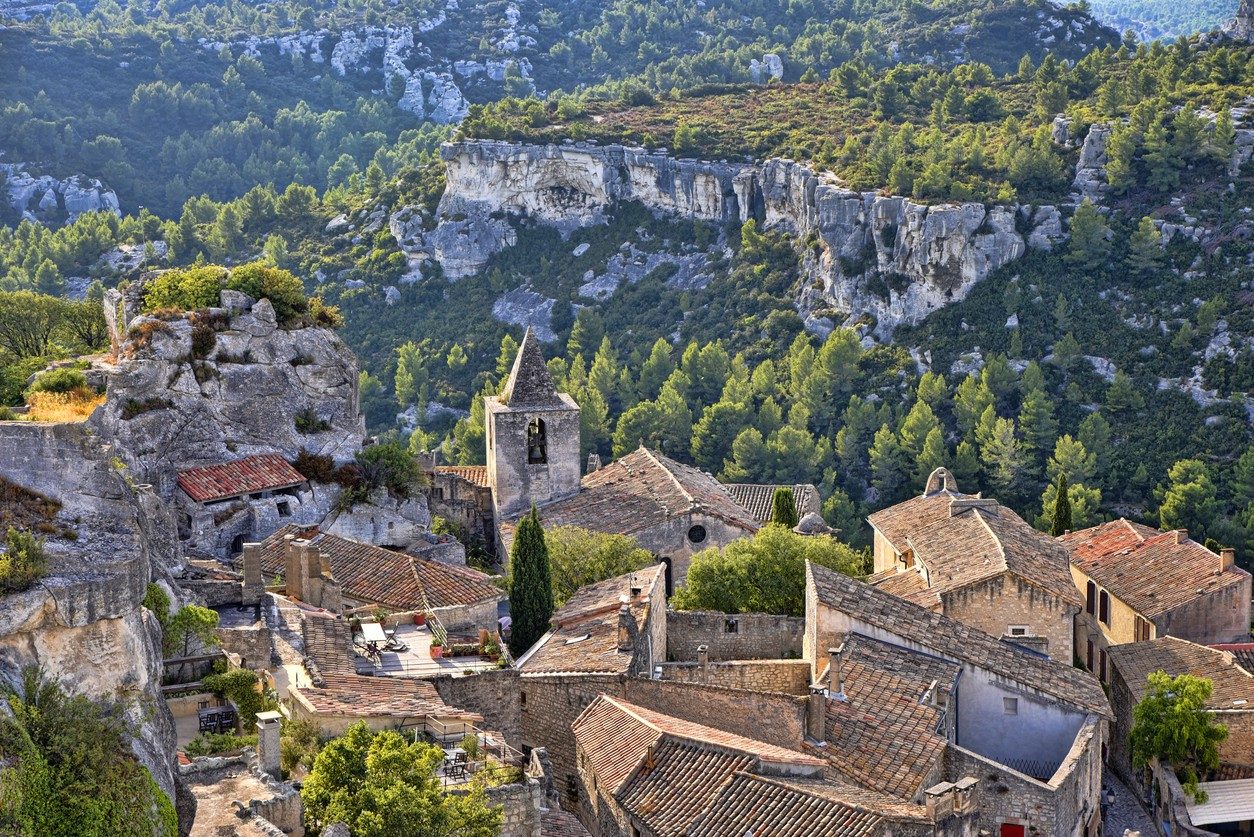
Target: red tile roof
{"points": [[264, 472], [1150, 571], [679, 783], [380, 576], [474, 474], [967, 540], [1242, 652]]}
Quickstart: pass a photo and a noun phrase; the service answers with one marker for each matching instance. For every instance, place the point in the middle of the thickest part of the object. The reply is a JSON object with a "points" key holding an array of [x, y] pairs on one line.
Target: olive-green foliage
{"points": [[381, 784], [214, 743], [530, 584], [578, 557], [299, 744], [390, 465], [764, 574], [191, 625], [158, 602], [241, 687], [71, 772], [22, 563], [194, 288], [60, 380], [1171, 724]]}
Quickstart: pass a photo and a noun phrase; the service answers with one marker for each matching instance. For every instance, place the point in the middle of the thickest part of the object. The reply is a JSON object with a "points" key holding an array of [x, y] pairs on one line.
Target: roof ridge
{"points": [[1001, 547], [692, 501]]}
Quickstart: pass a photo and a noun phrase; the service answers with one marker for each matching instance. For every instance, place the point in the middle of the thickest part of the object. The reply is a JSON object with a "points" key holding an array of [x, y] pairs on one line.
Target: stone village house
{"points": [[976, 561], [1229, 808], [1139, 584], [922, 723]]}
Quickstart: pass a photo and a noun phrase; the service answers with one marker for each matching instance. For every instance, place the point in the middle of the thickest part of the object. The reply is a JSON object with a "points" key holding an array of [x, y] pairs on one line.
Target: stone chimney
{"points": [[1182, 535], [836, 673], [1227, 557], [293, 568], [816, 714], [254, 582], [703, 662], [269, 725], [594, 462], [626, 628]]}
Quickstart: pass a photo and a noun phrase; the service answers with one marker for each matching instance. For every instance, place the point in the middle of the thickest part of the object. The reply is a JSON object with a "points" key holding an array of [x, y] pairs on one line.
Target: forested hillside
{"points": [[1121, 359], [1155, 19]]}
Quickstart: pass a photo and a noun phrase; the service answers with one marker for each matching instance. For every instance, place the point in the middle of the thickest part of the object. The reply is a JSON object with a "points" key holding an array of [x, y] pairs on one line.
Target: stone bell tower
{"points": [[532, 437]]}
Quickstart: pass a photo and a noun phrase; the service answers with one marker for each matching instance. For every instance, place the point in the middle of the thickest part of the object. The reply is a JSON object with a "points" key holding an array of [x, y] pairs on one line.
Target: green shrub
{"points": [[214, 743], [71, 771], [315, 467], [64, 379], [262, 281], [308, 421], [22, 563], [185, 289], [132, 408], [240, 686]]}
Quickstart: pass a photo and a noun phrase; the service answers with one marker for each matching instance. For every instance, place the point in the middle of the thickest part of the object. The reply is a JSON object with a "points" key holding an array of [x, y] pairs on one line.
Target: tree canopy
{"points": [[1171, 724], [579, 557]]}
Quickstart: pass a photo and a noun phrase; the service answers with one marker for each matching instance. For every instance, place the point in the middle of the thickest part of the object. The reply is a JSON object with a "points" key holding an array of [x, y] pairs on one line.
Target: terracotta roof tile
{"points": [[558, 823], [474, 474], [328, 641], [680, 784], [1135, 661], [1150, 571], [264, 472], [640, 491], [974, 540], [759, 500], [616, 738], [390, 697], [1242, 652], [885, 730], [771, 807], [948, 638], [380, 576], [584, 638], [897, 522]]}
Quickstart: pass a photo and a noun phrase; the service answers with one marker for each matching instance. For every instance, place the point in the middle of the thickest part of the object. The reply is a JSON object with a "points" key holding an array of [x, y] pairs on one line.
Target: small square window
{"points": [[731, 626], [285, 509], [1010, 706], [1019, 630]]}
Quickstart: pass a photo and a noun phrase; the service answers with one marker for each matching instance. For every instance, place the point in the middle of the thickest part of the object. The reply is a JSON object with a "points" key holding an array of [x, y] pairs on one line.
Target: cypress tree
{"points": [[530, 588], [783, 508], [1062, 508]]}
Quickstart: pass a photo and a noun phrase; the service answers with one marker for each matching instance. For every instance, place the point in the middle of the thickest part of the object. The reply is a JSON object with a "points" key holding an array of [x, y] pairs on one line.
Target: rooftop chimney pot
{"points": [[1227, 557]]}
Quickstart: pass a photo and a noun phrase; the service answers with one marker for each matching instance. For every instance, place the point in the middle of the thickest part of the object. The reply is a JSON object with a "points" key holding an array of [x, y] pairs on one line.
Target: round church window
{"points": [[697, 534]]}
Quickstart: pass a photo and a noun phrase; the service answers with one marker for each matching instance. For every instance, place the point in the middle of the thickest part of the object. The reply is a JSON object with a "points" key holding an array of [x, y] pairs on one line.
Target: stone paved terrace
{"points": [[417, 661]]}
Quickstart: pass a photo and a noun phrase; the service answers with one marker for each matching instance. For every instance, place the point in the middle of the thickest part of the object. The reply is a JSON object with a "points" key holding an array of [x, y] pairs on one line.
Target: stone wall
{"points": [[522, 802], [493, 694], [250, 643], [1238, 747], [789, 677], [1066, 805], [756, 636], [1221, 616], [994, 605], [934, 254]]}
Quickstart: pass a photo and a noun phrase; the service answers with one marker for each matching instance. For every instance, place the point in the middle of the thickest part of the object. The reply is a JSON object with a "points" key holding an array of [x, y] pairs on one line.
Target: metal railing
{"points": [[490, 760]]}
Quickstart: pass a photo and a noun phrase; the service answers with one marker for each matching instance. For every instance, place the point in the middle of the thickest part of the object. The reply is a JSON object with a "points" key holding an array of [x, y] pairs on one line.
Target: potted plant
{"points": [[437, 650], [420, 618]]}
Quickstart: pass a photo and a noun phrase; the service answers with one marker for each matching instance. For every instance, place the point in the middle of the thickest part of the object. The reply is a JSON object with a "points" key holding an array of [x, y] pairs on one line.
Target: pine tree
{"points": [[1037, 422], [889, 468], [784, 508], [931, 456], [1062, 508], [1072, 461], [1003, 457], [1094, 433], [1145, 248], [919, 422], [530, 587], [972, 398], [1089, 248]]}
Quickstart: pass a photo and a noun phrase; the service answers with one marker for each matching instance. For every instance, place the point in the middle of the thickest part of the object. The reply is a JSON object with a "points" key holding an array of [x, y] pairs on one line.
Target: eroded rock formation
{"points": [[889, 257], [46, 198], [249, 387], [83, 624]]}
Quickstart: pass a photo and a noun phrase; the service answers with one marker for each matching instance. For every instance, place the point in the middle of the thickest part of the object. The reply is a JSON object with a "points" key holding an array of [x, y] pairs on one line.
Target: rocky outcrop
{"points": [[83, 624], [50, 200], [1090, 170], [1241, 26], [889, 257], [256, 388]]}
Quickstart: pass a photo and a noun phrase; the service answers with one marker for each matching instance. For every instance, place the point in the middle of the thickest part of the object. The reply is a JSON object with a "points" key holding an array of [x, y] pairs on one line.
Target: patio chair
{"points": [[209, 722], [396, 645]]}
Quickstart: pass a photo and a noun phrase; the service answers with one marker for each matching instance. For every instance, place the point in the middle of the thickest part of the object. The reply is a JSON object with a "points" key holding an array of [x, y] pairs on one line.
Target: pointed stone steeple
{"points": [[530, 384]]}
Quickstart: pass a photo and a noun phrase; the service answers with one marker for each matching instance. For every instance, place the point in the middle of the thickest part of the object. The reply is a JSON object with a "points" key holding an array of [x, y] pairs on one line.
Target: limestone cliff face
{"points": [[83, 624], [1242, 26], [885, 256], [258, 388]]}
